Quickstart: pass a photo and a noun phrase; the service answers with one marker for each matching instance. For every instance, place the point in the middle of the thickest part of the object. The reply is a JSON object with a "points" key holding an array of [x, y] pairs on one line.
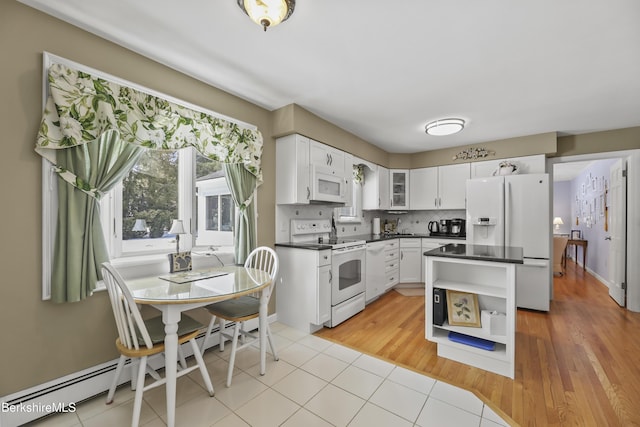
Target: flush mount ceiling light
{"points": [[268, 13], [444, 127]]}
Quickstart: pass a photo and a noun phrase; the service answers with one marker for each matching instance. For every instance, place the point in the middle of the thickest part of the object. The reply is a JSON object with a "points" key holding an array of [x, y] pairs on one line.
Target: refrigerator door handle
{"points": [[507, 213]]}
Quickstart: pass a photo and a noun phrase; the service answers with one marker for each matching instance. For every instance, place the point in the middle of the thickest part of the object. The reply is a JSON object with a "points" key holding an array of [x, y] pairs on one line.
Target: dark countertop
{"points": [[369, 238], [508, 254], [309, 246]]}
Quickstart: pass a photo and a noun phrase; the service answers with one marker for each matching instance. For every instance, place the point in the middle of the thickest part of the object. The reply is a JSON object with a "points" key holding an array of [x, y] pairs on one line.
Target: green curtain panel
{"points": [[80, 248], [82, 109], [242, 185]]}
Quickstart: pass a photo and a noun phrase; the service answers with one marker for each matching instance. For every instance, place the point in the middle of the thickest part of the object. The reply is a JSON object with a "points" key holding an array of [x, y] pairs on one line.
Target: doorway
{"points": [[581, 198]]}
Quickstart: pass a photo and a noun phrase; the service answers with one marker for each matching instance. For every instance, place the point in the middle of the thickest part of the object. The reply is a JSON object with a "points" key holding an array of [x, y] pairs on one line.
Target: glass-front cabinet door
{"points": [[399, 179]]}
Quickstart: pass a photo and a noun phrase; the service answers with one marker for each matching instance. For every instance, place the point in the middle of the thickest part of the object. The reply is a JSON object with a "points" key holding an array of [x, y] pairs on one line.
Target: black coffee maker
{"points": [[458, 227], [445, 226]]}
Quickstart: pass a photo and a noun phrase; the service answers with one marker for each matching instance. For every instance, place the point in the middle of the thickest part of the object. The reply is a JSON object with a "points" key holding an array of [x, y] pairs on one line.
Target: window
{"points": [[124, 235], [149, 201], [219, 213], [352, 213], [214, 206], [167, 185]]}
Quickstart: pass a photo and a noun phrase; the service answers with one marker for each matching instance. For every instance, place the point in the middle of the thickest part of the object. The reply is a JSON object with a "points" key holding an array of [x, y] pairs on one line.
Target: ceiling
{"points": [[381, 70]]}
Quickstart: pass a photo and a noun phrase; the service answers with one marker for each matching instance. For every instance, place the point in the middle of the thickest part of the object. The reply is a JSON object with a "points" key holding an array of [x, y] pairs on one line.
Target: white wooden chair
{"points": [[139, 339], [239, 310]]}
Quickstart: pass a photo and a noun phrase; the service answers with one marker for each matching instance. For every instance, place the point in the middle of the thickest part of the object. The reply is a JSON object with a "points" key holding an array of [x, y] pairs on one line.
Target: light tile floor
{"points": [[315, 383]]}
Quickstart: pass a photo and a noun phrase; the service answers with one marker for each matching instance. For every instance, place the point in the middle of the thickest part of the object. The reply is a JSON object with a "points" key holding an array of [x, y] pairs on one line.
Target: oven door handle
{"points": [[341, 251]]}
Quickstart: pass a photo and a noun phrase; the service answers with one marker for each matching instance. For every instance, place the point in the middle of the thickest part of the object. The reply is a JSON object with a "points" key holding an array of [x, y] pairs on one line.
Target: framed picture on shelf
{"points": [[575, 234], [462, 308]]}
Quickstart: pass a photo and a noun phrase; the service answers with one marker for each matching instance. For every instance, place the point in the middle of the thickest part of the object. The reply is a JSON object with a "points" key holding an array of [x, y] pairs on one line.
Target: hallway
{"points": [[579, 364]]}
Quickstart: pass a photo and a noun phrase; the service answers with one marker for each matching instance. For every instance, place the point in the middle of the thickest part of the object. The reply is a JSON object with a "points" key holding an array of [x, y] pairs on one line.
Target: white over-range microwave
{"points": [[326, 186]]}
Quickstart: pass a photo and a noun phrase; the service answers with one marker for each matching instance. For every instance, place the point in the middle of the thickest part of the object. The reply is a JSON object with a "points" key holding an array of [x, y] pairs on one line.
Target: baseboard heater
{"points": [[62, 394]]}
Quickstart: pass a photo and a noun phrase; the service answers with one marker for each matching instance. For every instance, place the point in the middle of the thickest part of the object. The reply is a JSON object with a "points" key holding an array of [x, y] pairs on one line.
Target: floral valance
{"points": [[81, 107]]}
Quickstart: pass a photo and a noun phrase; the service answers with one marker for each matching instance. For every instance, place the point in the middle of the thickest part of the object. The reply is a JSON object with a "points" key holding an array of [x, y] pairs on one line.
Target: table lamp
{"points": [[557, 221], [177, 228], [140, 225]]}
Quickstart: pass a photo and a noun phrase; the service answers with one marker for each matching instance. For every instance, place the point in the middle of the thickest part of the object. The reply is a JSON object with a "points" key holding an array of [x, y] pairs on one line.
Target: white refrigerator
{"points": [[513, 210]]}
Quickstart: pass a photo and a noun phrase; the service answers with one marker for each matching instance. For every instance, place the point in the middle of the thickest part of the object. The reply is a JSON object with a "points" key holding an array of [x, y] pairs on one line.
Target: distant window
{"points": [[220, 213], [213, 212], [215, 218]]}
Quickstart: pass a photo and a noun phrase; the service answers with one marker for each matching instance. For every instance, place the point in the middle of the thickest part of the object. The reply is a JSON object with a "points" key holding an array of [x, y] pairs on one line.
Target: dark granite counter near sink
{"points": [[508, 254], [369, 238]]}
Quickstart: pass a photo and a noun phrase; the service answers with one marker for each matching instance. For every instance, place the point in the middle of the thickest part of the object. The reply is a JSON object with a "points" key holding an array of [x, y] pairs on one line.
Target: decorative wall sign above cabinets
{"points": [[473, 153]]}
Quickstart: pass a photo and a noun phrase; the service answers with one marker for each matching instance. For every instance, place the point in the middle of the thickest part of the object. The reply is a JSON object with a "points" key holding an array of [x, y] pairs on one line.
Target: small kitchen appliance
{"points": [[458, 227], [376, 226], [445, 226], [433, 227]]}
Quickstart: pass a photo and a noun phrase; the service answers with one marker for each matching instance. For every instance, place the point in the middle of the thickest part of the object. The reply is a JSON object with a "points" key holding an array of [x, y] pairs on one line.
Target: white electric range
{"points": [[347, 265]]}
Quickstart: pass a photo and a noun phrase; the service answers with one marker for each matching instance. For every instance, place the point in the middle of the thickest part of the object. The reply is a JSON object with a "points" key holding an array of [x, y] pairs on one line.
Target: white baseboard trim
{"points": [[62, 394], [600, 279]]}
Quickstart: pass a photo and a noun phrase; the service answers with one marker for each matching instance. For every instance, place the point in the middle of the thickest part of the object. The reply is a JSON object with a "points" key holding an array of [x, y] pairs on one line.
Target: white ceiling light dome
{"points": [[268, 13], [443, 127]]}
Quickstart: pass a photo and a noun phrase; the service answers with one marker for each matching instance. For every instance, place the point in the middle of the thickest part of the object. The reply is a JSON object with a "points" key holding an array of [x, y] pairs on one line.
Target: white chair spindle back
{"points": [[128, 318]]}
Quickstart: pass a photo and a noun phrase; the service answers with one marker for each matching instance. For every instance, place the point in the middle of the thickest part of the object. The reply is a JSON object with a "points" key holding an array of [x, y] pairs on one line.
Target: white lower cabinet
{"points": [[375, 276], [410, 260], [494, 285], [303, 290], [391, 264]]}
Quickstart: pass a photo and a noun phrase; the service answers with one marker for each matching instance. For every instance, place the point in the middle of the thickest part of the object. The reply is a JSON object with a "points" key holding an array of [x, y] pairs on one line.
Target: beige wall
{"points": [[295, 119], [513, 147], [598, 142], [43, 341]]}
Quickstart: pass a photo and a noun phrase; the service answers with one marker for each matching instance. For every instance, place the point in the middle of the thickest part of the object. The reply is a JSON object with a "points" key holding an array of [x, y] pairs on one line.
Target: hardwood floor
{"points": [[577, 365]]}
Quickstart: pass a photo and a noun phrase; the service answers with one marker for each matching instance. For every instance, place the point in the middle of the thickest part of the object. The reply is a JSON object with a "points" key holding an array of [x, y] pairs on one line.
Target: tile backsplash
{"points": [[410, 222]]}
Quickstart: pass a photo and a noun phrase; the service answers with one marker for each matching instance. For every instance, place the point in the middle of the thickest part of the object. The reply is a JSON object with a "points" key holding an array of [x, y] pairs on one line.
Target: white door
{"points": [[399, 186], [375, 274], [452, 181], [532, 284], [384, 193], [617, 231], [485, 211], [423, 188], [527, 222]]}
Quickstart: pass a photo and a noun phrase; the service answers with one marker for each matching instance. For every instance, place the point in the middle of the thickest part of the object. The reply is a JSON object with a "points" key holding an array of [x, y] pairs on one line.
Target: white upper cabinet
{"points": [[327, 157], [441, 187], [292, 171], [308, 171], [452, 185], [399, 187], [525, 165], [423, 191], [375, 190]]}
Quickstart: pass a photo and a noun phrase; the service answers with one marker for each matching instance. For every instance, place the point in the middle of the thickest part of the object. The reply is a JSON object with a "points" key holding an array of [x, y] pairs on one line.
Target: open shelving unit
{"points": [[494, 284]]}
